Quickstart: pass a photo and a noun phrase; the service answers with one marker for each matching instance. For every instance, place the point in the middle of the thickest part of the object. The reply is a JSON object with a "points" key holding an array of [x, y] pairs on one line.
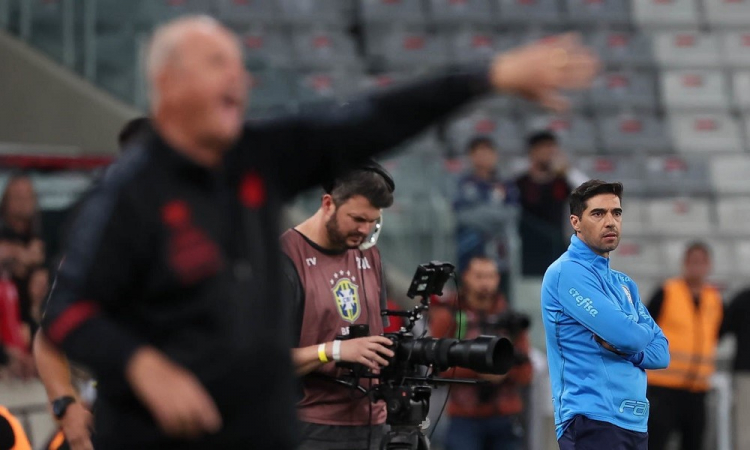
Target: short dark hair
{"points": [[589, 189], [365, 182], [480, 141], [697, 246], [131, 129], [540, 137]]}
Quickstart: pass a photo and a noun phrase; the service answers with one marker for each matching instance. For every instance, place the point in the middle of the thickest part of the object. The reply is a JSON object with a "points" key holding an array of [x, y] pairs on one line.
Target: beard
{"points": [[337, 238]]}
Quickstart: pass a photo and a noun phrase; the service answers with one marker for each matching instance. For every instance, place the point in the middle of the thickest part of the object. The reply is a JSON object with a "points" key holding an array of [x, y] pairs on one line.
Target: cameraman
{"points": [[485, 416], [335, 284]]}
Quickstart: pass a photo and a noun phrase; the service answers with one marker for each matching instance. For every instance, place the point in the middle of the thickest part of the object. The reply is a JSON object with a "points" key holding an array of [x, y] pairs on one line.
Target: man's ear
{"points": [[327, 204], [575, 222]]}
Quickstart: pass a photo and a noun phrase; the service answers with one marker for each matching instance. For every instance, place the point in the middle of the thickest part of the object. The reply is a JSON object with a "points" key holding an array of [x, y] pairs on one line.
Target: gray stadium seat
{"points": [[694, 90], [577, 133], [324, 49], [598, 11], [741, 90], [659, 13], [242, 12], [305, 13], [731, 212], [679, 215], [705, 133], [272, 89], [630, 133], [398, 49], [628, 170], [615, 90], [622, 48], [742, 257], [677, 175], [736, 49], [528, 11], [729, 174], [471, 45], [322, 86], [455, 12], [266, 48], [152, 12], [727, 13], [392, 12], [636, 256], [502, 129], [687, 49]]}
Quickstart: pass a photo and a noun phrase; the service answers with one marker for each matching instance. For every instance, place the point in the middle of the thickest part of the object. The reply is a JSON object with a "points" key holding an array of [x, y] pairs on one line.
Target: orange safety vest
{"points": [[22, 442], [692, 334], [57, 441]]}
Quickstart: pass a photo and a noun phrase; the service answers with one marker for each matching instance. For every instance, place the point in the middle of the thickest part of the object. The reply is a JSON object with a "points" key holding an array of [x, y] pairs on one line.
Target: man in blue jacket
{"points": [[600, 337]]}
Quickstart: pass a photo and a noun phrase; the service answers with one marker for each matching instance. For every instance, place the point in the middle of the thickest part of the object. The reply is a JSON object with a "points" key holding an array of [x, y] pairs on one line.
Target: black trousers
{"points": [[676, 410], [588, 434]]}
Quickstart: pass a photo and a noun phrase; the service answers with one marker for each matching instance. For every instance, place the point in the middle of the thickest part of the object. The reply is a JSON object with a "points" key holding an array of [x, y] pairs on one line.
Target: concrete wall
{"points": [[44, 103]]}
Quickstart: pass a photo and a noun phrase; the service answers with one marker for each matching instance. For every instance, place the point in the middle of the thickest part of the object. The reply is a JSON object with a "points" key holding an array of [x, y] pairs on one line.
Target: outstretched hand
{"points": [[542, 70]]}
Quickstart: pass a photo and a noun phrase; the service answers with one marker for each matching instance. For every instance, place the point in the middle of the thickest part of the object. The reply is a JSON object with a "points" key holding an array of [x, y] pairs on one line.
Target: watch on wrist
{"points": [[60, 405]]}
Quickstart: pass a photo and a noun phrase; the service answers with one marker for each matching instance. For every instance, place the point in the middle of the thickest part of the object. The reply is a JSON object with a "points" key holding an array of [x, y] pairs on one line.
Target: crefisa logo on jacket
{"points": [[346, 294], [583, 302]]}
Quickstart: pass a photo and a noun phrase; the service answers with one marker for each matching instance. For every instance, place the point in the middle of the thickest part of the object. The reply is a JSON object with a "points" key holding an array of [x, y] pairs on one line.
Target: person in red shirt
{"points": [[485, 416]]}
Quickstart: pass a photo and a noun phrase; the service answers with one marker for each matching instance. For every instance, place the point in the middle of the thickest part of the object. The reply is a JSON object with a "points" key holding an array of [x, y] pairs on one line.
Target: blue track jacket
{"points": [[582, 297]]}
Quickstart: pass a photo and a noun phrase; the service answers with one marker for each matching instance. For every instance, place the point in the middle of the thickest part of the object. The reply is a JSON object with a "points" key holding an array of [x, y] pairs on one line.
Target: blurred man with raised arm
{"points": [[600, 337]]}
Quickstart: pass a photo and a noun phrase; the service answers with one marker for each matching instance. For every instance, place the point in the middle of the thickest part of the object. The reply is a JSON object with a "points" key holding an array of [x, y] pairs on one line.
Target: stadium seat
{"points": [[392, 12], [694, 90], [324, 86], [687, 49], [471, 45], [736, 49], [742, 258], [741, 91], [504, 130], [615, 90], [705, 133], [272, 89], [577, 134], [733, 213], [681, 215], [324, 49], [729, 174], [399, 49], [596, 12], [630, 133], [243, 12], [636, 256], [627, 170], [677, 175], [457, 12], [153, 12], [266, 48], [659, 13], [529, 12], [310, 13], [622, 48], [727, 13]]}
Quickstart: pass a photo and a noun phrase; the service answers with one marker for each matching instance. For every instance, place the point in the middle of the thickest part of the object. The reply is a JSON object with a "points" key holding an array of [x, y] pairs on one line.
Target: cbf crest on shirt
{"points": [[346, 295]]}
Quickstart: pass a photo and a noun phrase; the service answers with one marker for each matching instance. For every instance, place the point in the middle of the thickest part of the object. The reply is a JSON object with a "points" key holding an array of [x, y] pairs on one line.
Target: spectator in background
{"points": [[23, 249], [689, 311], [736, 322], [484, 417], [485, 207], [12, 434], [544, 190]]}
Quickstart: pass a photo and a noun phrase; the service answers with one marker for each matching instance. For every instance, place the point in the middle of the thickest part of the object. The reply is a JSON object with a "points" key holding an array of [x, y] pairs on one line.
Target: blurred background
{"points": [[669, 116]]}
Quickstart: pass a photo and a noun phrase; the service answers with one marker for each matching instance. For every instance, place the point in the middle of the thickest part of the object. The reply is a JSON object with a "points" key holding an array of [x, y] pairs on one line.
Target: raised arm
{"points": [[583, 298], [379, 121]]}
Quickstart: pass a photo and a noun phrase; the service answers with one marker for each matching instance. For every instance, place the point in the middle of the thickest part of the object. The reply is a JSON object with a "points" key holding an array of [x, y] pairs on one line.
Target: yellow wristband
{"points": [[322, 353]]}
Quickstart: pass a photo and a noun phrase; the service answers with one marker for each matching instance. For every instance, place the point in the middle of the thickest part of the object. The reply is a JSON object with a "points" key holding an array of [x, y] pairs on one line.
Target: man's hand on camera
{"points": [[541, 70], [492, 378], [180, 404], [368, 351], [76, 426]]}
